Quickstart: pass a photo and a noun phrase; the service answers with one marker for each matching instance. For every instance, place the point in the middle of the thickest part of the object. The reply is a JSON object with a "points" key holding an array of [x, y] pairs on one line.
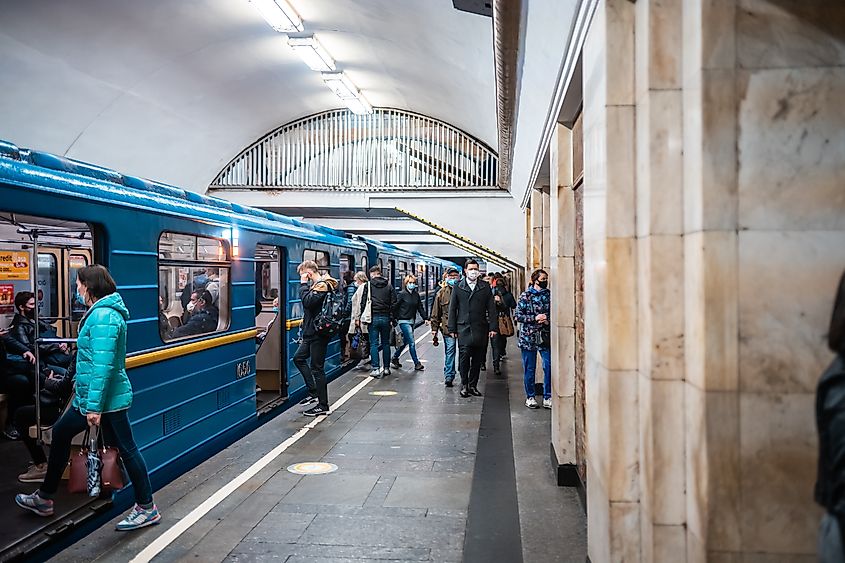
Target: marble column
{"points": [[536, 230], [610, 284], [660, 254], [562, 274], [764, 222]]}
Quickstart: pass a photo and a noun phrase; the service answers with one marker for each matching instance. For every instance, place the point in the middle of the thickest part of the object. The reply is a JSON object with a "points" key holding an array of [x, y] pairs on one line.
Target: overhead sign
{"points": [[14, 265]]}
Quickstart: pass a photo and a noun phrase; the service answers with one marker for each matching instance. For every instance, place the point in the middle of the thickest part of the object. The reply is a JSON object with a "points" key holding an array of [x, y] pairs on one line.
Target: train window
{"points": [[47, 294], [320, 257], [193, 277], [403, 269], [392, 277], [381, 265], [77, 308], [347, 264], [364, 264]]}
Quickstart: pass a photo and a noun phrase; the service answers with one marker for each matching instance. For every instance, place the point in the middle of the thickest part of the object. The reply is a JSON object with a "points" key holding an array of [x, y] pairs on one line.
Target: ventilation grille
{"points": [[223, 398], [172, 421]]}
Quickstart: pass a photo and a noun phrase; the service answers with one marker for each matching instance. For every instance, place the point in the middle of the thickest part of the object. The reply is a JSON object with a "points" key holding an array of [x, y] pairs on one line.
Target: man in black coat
{"points": [[472, 320]]}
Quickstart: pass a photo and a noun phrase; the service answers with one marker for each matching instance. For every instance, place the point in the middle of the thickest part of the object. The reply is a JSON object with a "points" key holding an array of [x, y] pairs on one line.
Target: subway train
{"points": [[194, 393]]}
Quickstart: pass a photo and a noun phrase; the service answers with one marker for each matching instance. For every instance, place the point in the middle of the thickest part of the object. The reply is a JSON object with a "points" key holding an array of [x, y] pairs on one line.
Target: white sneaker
{"points": [[531, 403], [375, 373], [547, 403]]}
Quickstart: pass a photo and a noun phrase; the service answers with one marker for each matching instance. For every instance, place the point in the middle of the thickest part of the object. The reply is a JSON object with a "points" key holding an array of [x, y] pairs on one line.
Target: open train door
{"points": [[271, 345]]}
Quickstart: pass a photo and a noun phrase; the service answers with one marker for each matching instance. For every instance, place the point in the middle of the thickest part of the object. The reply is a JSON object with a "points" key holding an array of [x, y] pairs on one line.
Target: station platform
{"points": [[422, 475]]}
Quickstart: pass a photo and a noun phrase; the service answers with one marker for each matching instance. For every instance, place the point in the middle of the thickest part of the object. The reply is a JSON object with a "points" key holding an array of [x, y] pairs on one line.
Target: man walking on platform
{"points": [[472, 320], [440, 322], [313, 289]]}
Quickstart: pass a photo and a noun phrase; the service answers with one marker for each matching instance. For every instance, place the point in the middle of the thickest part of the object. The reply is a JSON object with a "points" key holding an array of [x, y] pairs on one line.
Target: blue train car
{"points": [[195, 392]]}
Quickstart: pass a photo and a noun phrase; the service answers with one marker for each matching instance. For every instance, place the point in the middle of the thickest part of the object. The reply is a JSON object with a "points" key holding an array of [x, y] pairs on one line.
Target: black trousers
{"points": [[25, 417], [315, 373], [470, 359], [498, 344]]}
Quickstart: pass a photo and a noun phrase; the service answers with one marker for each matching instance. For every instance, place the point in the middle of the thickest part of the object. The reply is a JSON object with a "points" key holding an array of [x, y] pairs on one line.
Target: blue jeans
{"points": [[450, 346], [529, 363], [407, 328], [380, 327], [116, 432]]}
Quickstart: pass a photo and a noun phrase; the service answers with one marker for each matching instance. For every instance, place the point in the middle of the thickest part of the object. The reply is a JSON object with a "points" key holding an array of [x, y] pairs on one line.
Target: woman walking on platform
{"points": [[103, 395], [505, 303], [407, 306]]}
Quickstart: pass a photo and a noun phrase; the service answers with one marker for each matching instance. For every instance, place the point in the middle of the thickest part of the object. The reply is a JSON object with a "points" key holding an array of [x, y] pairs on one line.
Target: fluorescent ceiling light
{"points": [[279, 14], [314, 55], [358, 106], [340, 84], [344, 89]]}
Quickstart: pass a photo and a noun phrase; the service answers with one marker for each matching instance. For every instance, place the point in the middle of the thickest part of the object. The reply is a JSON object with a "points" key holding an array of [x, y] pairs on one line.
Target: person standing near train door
{"points": [[313, 290], [102, 397]]}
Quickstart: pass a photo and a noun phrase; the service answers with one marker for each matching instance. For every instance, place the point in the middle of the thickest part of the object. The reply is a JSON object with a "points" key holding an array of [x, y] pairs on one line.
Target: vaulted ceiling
{"points": [[173, 89]]}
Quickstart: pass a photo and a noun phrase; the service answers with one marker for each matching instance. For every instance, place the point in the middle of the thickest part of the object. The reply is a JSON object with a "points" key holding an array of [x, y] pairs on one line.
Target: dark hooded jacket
{"points": [[383, 297], [830, 420]]}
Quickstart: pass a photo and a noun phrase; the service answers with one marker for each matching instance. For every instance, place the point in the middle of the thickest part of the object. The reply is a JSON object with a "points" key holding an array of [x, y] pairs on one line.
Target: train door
{"points": [[271, 382], [57, 267]]}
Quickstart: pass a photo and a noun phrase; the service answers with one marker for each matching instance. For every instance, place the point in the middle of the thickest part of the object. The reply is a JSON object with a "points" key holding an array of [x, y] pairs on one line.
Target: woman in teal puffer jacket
{"points": [[102, 396]]}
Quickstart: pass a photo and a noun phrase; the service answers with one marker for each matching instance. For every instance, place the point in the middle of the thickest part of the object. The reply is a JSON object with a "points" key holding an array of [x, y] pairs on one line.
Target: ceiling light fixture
{"points": [[314, 55], [279, 14], [344, 89]]}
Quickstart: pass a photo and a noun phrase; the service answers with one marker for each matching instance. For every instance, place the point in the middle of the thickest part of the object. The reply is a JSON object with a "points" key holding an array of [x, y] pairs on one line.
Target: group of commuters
{"points": [[78, 390], [471, 314]]}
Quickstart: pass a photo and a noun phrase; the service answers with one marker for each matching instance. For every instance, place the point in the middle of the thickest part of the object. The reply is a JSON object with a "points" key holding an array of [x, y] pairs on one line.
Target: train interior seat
{"points": [[174, 321]]}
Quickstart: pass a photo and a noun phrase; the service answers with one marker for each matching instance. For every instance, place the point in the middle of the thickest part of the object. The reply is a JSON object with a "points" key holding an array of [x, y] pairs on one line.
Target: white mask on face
{"points": [[472, 275], [191, 305]]}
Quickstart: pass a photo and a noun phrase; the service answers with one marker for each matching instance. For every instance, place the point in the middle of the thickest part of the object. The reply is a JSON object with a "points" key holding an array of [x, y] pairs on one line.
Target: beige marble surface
{"points": [[659, 181], [623, 437], [658, 44], [711, 303], [785, 305], [709, 37], [661, 306], [670, 544], [624, 531], [809, 33], [709, 155], [621, 298], [792, 149], [713, 468], [620, 171], [778, 452]]}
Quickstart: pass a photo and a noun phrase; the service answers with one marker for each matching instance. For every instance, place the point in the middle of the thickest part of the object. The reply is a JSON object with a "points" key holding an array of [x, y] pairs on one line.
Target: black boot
{"points": [[464, 391], [496, 370]]}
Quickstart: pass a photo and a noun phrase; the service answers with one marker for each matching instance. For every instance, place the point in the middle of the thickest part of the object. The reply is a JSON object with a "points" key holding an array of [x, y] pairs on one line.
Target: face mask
{"points": [[191, 306], [472, 275], [29, 313], [451, 281], [411, 286], [80, 298], [543, 284]]}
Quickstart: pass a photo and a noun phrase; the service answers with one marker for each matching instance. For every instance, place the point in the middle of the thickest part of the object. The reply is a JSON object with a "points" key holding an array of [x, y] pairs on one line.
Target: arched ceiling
{"points": [[173, 89]]}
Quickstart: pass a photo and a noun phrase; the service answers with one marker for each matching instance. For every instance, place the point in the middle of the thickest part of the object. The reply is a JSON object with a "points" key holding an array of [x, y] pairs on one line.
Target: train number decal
{"points": [[242, 369]]}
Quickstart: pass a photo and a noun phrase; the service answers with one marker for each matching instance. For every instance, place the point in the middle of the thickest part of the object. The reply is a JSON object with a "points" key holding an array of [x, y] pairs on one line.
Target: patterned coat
{"points": [[531, 303]]}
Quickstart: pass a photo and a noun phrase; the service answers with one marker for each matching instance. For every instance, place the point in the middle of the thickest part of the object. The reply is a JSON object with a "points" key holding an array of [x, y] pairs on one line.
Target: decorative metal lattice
{"points": [[388, 149]]}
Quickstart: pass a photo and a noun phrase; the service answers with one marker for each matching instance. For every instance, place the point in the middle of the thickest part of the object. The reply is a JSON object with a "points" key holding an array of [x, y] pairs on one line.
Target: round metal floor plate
{"points": [[312, 468]]}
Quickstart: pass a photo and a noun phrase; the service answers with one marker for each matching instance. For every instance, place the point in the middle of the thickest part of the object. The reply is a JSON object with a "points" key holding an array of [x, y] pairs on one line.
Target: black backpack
{"points": [[328, 321]]}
